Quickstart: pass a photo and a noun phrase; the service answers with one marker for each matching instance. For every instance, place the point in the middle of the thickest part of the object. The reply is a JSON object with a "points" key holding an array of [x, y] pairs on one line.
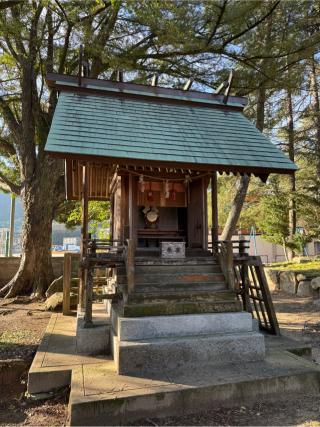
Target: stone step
{"points": [[186, 268], [180, 287], [168, 268], [144, 328], [146, 356], [184, 261], [174, 278], [175, 303], [187, 296]]}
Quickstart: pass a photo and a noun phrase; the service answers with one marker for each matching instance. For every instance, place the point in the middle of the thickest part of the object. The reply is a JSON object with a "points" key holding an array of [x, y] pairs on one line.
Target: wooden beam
{"points": [[112, 217], [116, 88], [130, 266], [84, 230], [155, 79], [228, 88], [188, 85], [131, 213], [214, 209], [222, 86], [257, 171], [68, 178], [204, 184], [119, 76], [66, 283]]}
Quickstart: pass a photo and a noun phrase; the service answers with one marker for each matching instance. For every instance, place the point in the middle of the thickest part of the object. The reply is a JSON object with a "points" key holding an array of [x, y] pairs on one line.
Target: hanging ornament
{"points": [[167, 190], [187, 179], [173, 193], [150, 193], [141, 183]]}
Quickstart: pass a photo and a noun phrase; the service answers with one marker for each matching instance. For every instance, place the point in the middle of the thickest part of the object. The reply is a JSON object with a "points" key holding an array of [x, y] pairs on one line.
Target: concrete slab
{"points": [[57, 355], [188, 352], [141, 328], [101, 397], [300, 348], [94, 340]]}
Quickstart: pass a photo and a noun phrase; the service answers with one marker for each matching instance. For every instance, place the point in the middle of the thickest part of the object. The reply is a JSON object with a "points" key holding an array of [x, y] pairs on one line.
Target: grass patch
{"points": [[8, 338], [309, 267]]}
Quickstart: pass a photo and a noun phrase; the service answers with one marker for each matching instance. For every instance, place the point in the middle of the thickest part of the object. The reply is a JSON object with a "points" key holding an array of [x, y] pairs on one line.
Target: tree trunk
{"points": [[285, 251], [244, 181], [292, 178], [40, 199], [315, 101]]}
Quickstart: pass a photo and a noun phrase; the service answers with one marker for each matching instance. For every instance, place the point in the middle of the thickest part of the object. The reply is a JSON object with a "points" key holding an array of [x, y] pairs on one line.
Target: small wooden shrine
{"points": [[154, 153]]}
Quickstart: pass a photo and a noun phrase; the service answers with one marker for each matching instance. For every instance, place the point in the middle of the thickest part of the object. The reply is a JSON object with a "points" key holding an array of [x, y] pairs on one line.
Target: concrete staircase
{"points": [[190, 285], [184, 341]]}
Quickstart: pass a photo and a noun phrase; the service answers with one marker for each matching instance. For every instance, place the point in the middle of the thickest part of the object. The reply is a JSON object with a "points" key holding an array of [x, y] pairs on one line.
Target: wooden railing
{"points": [[226, 251], [99, 254], [255, 294], [128, 256], [245, 275], [67, 276]]}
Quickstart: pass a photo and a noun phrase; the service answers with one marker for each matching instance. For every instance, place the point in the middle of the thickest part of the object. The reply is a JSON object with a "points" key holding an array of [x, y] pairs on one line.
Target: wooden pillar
{"points": [[66, 283], [130, 208], [214, 210], [84, 231], [204, 188], [88, 298], [225, 257], [112, 216], [130, 266]]}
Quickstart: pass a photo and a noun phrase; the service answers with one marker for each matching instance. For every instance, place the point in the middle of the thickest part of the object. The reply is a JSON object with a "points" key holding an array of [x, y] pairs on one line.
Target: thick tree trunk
{"points": [[244, 181], [292, 178], [234, 214], [40, 199]]}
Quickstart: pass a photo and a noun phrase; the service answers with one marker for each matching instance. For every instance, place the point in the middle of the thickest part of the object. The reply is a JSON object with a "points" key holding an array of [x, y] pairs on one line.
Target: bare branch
{"points": [[63, 56], [253, 25], [84, 18], [103, 37], [218, 21], [7, 185]]}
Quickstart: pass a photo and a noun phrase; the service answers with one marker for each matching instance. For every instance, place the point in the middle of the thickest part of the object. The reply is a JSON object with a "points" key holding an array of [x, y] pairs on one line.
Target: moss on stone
{"points": [[165, 308]]}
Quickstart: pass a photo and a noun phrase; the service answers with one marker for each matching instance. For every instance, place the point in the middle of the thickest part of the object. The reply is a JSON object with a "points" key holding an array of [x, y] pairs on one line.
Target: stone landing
{"points": [[57, 355], [99, 396], [183, 342]]}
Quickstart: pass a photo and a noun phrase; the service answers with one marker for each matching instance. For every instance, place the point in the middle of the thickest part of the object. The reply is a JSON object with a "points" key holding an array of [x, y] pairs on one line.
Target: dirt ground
{"points": [[22, 324]]}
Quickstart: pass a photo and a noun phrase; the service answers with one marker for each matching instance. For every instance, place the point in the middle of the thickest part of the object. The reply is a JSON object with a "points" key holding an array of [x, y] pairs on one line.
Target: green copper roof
{"points": [[122, 128]]}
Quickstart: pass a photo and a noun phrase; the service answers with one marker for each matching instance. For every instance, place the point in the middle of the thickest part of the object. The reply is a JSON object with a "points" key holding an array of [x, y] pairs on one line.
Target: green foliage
{"points": [[99, 217], [268, 43], [274, 213]]}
